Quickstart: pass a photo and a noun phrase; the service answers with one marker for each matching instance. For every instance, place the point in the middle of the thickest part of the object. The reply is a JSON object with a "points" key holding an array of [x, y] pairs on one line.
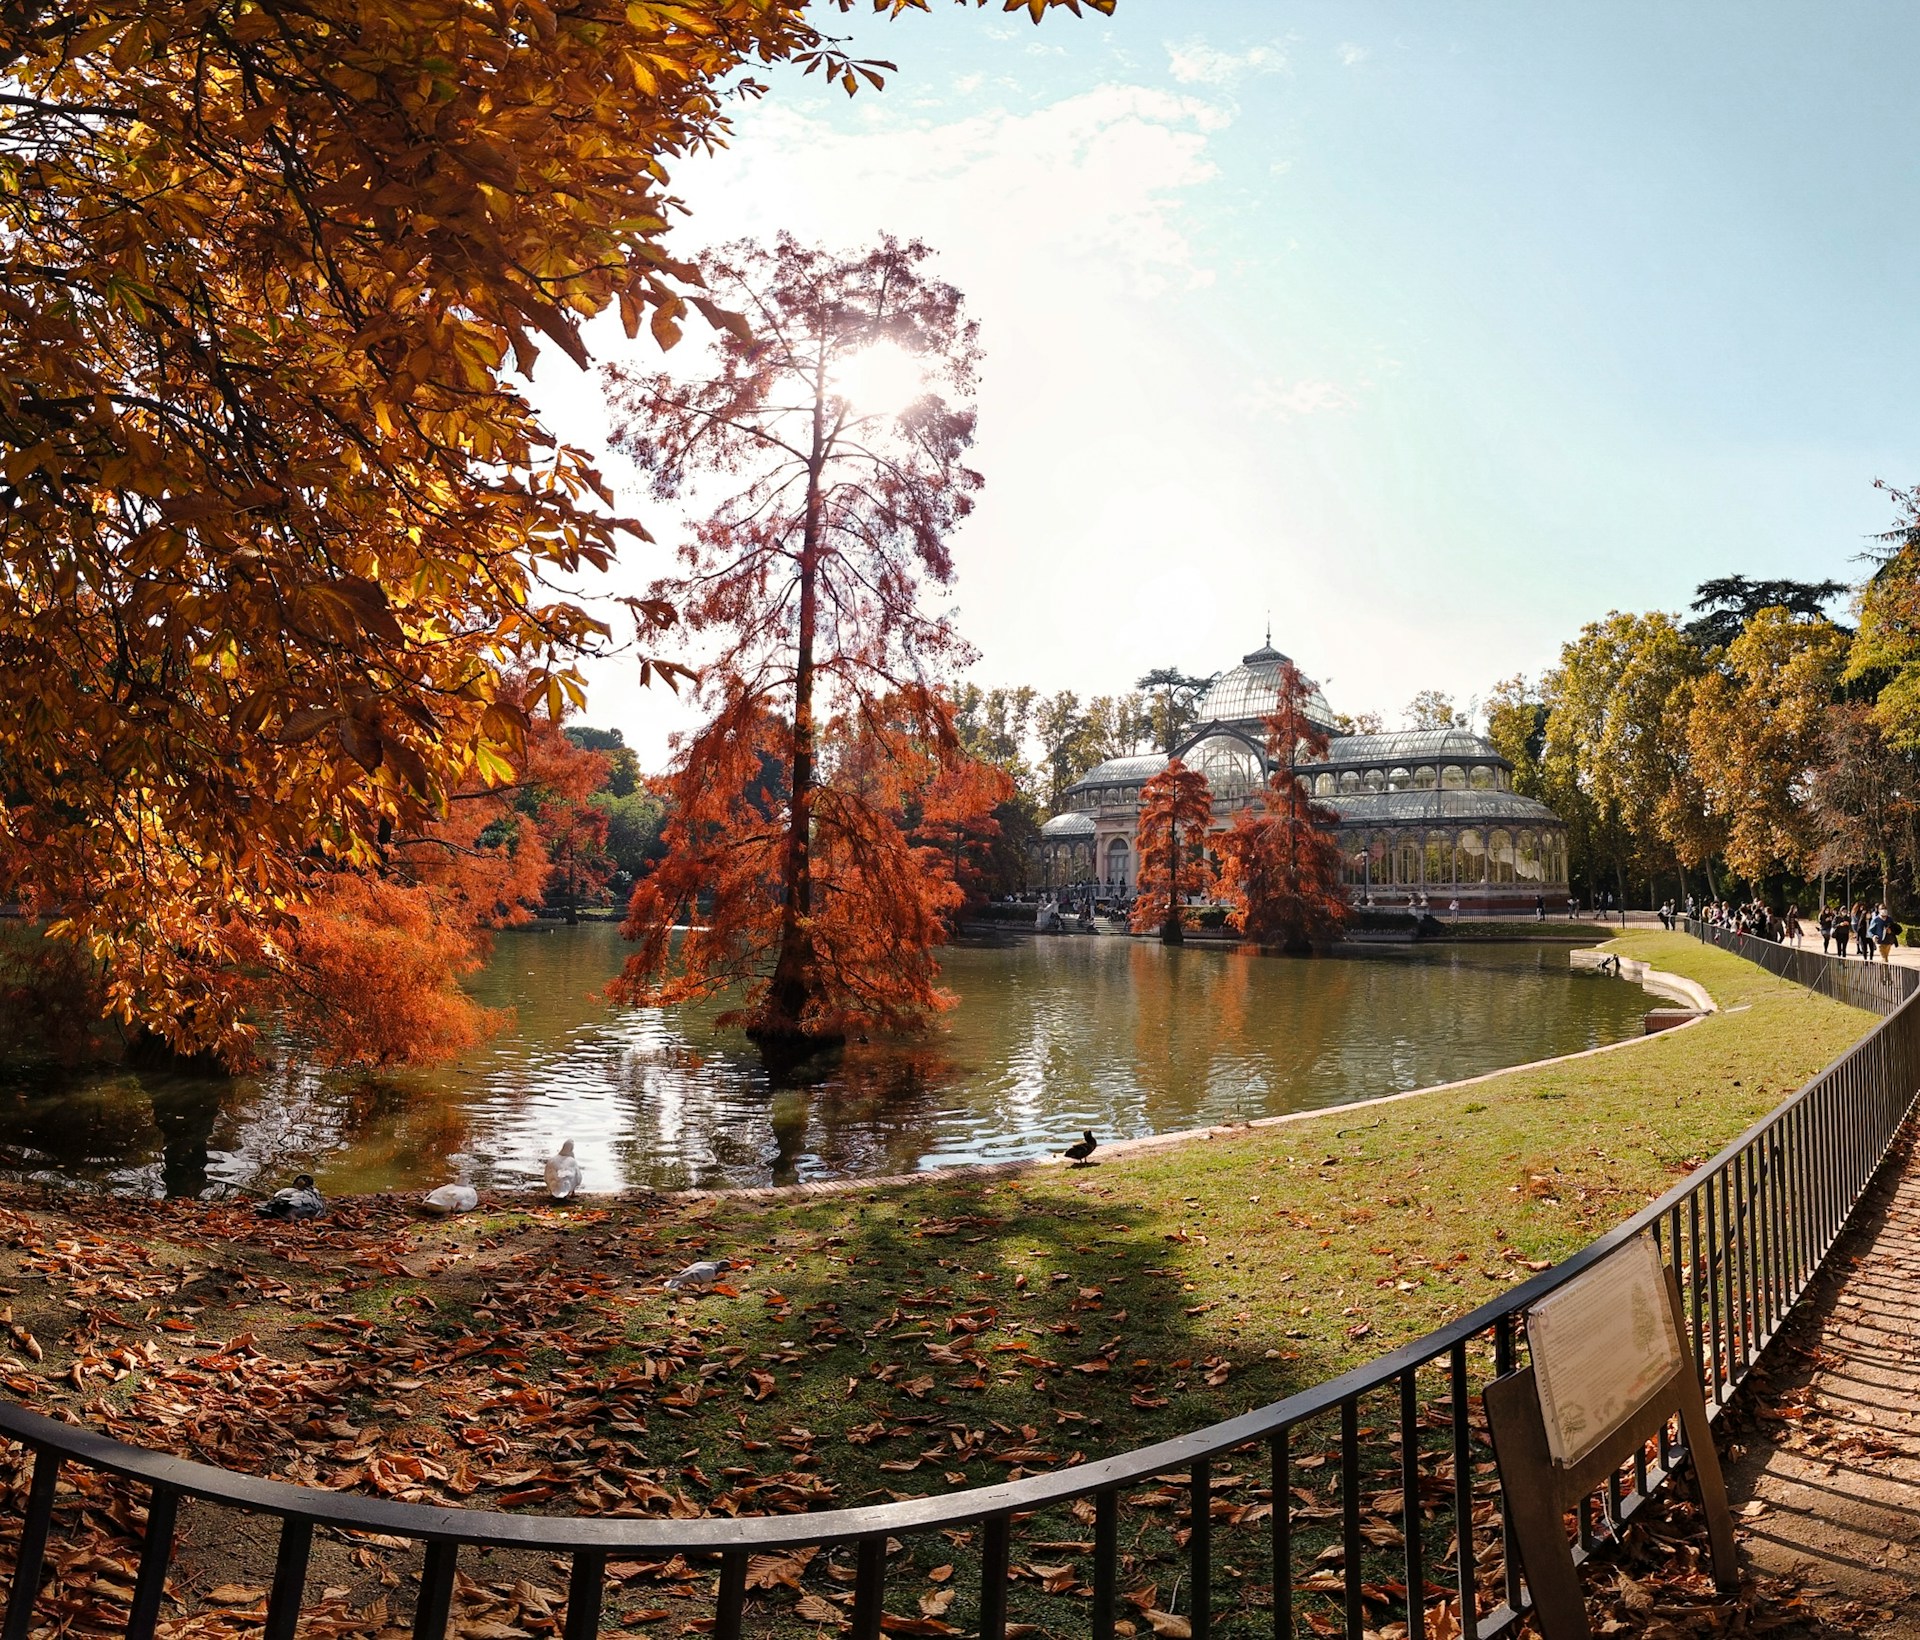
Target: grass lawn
{"points": [[878, 1343]]}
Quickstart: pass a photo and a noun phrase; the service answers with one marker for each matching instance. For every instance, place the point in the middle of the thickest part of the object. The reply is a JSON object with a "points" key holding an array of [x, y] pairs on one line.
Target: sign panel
{"points": [[1601, 1345]]}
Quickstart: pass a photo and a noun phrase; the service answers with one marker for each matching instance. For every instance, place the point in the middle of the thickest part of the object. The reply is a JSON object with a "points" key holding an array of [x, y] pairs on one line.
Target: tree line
{"points": [[1761, 746]]}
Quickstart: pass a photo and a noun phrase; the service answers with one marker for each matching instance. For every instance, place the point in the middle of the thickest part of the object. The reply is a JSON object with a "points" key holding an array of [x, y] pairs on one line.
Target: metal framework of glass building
{"points": [[1420, 812]]}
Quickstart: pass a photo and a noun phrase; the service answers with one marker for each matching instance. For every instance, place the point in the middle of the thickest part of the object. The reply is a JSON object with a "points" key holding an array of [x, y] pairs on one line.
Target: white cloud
{"points": [[1197, 63], [1350, 55]]}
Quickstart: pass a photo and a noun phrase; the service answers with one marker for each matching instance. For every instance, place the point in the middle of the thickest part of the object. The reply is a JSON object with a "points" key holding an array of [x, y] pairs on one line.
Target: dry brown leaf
{"points": [[811, 1608], [1168, 1626]]}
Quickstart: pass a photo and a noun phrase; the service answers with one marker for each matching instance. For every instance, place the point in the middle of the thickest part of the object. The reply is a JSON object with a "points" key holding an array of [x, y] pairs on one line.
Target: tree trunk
{"points": [[781, 1025], [1171, 933]]}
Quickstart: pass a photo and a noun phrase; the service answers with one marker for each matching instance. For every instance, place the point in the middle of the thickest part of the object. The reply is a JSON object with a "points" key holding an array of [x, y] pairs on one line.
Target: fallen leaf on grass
{"points": [[811, 1608], [925, 1626], [776, 1571], [1168, 1626]]}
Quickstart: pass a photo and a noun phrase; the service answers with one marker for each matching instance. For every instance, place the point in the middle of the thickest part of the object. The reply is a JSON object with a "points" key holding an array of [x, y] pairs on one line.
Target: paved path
{"points": [[1827, 1491]]}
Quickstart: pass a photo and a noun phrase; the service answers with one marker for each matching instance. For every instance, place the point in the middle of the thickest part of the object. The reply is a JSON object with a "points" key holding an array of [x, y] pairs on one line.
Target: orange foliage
{"points": [[370, 974], [797, 845], [897, 813], [1176, 807], [374, 976], [1280, 862]]}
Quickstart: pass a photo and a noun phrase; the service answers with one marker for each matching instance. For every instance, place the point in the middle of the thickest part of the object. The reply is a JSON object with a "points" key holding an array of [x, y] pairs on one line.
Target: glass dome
{"points": [[1247, 693]]}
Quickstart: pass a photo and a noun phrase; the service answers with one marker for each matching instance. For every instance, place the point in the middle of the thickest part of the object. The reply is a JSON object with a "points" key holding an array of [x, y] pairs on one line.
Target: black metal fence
{"points": [[1879, 987], [1399, 1440]]}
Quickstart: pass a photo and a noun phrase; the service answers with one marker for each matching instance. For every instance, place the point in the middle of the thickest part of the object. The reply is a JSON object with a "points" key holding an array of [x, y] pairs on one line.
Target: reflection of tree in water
{"points": [[879, 1112], [78, 1129], [1200, 1054], [389, 1129], [186, 1112]]}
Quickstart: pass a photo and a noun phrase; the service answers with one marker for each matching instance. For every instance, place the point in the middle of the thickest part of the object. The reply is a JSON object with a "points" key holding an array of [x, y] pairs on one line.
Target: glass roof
{"points": [[1247, 693], [1068, 826], [1117, 769], [1407, 745], [1439, 807]]}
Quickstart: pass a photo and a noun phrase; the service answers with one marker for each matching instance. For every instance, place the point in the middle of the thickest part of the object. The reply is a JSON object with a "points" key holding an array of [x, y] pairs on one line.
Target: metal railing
{"points": [[1399, 1437], [1879, 987]]}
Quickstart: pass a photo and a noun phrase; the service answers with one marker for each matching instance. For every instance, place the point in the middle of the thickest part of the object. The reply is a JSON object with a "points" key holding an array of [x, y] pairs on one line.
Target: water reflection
{"points": [[1051, 1036]]}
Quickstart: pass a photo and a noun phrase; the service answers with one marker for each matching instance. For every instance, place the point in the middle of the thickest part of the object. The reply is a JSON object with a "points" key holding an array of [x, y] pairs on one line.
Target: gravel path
{"points": [[1825, 1478]]}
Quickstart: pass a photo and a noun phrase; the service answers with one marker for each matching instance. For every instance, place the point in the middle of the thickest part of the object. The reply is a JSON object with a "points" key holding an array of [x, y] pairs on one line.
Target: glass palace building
{"points": [[1419, 812]]}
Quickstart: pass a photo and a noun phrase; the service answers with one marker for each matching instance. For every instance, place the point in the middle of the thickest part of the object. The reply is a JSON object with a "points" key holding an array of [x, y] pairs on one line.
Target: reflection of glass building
{"points": [[1421, 811]]}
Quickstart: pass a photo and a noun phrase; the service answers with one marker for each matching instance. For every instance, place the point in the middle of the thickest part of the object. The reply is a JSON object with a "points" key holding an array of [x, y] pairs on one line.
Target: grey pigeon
{"points": [[298, 1200], [698, 1277]]}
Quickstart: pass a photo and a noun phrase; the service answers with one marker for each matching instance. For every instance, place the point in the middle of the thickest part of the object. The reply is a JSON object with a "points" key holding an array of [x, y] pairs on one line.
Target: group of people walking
{"points": [[1870, 929]]}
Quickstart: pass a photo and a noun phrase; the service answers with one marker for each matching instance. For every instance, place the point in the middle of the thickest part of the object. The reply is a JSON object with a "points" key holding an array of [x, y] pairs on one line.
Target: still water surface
{"points": [[1051, 1036]]}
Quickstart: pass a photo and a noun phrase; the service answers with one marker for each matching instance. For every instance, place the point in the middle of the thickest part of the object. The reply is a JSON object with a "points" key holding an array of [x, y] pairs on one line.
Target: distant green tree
{"points": [[1358, 723], [1723, 607], [1517, 726], [1067, 745], [1120, 725], [1174, 707], [623, 767], [635, 820]]}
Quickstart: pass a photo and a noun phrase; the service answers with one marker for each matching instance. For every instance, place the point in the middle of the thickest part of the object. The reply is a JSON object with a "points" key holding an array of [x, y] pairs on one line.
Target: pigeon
{"points": [[297, 1201], [699, 1277], [450, 1198], [563, 1173], [1081, 1149]]}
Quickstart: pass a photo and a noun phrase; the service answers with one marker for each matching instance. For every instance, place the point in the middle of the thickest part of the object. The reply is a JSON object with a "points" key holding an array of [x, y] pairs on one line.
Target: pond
{"points": [[1052, 1035]]}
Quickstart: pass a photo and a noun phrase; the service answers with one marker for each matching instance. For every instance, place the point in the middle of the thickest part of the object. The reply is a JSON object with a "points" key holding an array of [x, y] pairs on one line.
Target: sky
{"points": [[1428, 332]]}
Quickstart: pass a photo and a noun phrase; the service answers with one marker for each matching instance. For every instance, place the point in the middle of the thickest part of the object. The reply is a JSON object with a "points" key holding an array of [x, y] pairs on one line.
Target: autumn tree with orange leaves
{"points": [[276, 519], [808, 578], [1176, 808], [1280, 862]]}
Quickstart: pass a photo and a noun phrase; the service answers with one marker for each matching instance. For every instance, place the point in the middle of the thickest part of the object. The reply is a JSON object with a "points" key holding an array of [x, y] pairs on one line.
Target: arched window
{"points": [[1529, 865], [1231, 766], [1349, 783], [1453, 778], [1406, 869], [1470, 858], [1424, 777], [1439, 859], [1119, 863], [1399, 780], [1323, 785], [1500, 857], [1370, 780], [1481, 779]]}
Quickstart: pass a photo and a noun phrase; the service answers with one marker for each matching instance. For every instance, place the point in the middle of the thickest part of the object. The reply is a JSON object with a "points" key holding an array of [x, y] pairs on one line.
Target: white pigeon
{"points": [[450, 1198], [563, 1173], [698, 1277]]}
